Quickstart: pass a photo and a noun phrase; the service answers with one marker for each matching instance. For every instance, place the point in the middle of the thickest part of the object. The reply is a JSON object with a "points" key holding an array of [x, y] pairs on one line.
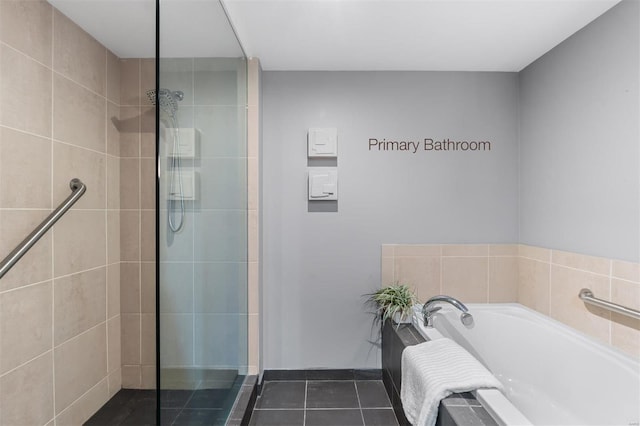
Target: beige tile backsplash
{"points": [[56, 124], [545, 280]]}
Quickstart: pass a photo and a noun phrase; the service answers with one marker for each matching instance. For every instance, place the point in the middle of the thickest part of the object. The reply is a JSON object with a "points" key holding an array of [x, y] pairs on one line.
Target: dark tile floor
{"points": [[323, 403], [129, 407]]}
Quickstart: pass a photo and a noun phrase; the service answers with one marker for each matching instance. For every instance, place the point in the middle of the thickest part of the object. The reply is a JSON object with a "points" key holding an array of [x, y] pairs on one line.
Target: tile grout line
{"points": [[359, 403], [106, 218], [304, 412], [53, 358]]}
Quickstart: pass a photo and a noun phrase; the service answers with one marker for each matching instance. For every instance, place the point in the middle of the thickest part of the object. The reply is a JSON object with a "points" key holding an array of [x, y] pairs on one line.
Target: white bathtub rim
{"points": [[523, 313], [572, 333], [495, 402], [500, 408]]}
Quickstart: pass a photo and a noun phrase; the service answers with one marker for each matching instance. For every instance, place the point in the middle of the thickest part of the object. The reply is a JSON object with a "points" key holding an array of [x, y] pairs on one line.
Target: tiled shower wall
{"points": [[137, 223], [204, 289], [59, 306], [254, 95], [542, 279]]}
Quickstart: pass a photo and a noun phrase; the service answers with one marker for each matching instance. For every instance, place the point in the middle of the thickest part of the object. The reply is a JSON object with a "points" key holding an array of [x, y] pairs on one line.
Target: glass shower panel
{"points": [[202, 212]]}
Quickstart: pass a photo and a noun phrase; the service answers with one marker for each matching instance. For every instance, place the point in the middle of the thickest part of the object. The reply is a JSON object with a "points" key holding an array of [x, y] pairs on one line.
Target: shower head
{"points": [[166, 99]]}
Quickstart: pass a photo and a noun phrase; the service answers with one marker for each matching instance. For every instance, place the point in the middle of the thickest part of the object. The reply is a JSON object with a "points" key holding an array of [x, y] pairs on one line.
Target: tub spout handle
{"points": [[427, 315], [466, 319], [428, 309]]}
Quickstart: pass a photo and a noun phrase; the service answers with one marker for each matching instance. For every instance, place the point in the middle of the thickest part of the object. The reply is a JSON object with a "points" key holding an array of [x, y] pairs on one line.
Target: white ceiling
{"points": [[189, 28], [455, 35]]}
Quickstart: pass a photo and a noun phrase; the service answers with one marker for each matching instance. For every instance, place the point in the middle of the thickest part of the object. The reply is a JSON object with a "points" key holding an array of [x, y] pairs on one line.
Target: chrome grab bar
{"points": [[78, 189], [587, 296]]}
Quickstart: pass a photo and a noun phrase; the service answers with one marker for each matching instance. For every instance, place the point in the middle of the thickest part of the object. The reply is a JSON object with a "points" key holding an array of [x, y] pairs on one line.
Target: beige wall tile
{"points": [[254, 341], [130, 235], [25, 170], [79, 364], [536, 253], [465, 278], [420, 273], [253, 243], [79, 303], [503, 279], [115, 382], [148, 339], [148, 373], [129, 128], [130, 287], [85, 406], [625, 293], [148, 284], [113, 290], [626, 270], [77, 55], [25, 90], [131, 377], [596, 265], [566, 306], [114, 347], [387, 250], [78, 115], [113, 182], [147, 79], [26, 26], [113, 236], [25, 325], [503, 249], [113, 132], [253, 190], [177, 332], [26, 394], [625, 331], [35, 265], [253, 294], [148, 184], [130, 183], [90, 167], [79, 238], [130, 333], [387, 271], [465, 250], [148, 236], [533, 284], [408, 250], [253, 81], [148, 124], [148, 133], [148, 145], [129, 82], [113, 78], [253, 131]]}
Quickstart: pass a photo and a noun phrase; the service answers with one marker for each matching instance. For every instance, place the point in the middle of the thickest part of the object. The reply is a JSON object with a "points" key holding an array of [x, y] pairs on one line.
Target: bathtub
{"points": [[552, 374]]}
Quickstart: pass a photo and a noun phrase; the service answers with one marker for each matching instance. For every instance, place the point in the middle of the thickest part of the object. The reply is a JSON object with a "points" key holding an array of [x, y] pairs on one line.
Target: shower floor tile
{"points": [[323, 402], [130, 407]]}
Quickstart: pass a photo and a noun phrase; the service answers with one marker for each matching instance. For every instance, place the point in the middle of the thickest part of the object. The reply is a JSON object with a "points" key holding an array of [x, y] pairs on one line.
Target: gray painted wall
{"points": [[580, 141], [317, 266]]}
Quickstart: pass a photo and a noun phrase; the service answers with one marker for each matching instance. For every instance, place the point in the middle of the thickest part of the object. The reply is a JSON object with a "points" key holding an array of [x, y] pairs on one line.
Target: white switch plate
{"points": [[323, 183], [322, 142]]}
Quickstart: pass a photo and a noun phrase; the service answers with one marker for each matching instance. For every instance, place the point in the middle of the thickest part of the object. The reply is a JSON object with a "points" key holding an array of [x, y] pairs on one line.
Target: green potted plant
{"points": [[395, 302]]}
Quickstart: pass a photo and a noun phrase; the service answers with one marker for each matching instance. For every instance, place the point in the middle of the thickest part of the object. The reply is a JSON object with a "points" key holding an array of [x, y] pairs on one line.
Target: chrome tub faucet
{"points": [[429, 308]]}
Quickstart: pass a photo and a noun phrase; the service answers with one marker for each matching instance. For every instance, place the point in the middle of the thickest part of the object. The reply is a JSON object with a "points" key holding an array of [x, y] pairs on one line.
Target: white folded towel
{"points": [[434, 370]]}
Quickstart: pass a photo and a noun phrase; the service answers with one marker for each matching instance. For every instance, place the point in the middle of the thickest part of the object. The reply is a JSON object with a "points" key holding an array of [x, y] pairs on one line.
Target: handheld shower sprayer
{"points": [[167, 101]]}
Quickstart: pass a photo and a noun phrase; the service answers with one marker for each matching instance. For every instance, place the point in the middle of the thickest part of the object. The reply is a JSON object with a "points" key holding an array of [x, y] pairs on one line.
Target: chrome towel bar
{"points": [[587, 296], [78, 189]]}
